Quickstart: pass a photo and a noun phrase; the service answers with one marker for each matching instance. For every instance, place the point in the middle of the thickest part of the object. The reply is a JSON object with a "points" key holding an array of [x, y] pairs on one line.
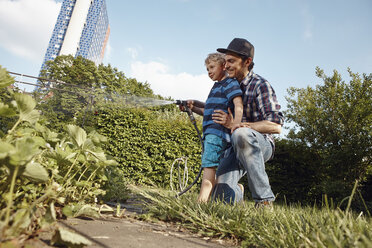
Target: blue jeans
{"points": [[248, 154]]}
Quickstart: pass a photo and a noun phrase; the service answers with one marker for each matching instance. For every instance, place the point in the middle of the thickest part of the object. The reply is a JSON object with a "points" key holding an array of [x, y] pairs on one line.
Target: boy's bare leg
{"points": [[208, 182]]}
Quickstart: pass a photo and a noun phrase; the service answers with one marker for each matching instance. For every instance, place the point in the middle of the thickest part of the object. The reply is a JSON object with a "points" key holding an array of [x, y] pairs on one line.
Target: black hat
{"points": [[240, 47]]}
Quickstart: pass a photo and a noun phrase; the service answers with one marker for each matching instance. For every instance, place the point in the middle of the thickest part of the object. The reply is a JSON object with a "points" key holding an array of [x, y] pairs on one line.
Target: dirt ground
{"points": [[127, 231]]}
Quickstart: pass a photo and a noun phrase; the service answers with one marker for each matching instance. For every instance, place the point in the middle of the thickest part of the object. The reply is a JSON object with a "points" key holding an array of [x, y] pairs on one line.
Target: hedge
{"points": [[146, 143]]}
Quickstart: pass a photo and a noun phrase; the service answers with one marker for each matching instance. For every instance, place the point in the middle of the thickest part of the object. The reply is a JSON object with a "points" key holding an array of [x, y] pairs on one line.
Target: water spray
{"points": [[186, 109]]}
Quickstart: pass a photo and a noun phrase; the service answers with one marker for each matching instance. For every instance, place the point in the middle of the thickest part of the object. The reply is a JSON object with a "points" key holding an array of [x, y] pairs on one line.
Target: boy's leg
{"points": [[209, 179], [214, 147], [252, 151]]}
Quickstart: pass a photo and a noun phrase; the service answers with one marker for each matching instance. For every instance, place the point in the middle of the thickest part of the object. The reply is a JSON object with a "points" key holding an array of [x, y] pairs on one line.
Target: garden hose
{"points": [[193, 121]]}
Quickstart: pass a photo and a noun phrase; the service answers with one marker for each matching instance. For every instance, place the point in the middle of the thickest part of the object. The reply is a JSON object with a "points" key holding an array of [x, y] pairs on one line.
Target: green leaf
{"points": [[77, 134], [26, 107], [20, 221], [49, 217], [110, 162], [5, 79], [39, 141], [35, 172], [25, 103], [68, 210], [87, 211], [31, 117], [97, 138], [25, 150], [6, 149], [6, 111], [70, 239], [98, 155], [50, 136], [88, 145], [76, 210]]}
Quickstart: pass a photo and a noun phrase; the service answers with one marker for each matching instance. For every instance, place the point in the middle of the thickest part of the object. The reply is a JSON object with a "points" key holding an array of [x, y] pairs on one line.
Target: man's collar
{"points": [[245, 80]]}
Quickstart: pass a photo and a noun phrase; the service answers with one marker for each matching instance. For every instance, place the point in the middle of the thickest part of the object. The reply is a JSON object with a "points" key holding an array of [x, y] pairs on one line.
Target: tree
{"points": [[77, 85], [335, 121]]}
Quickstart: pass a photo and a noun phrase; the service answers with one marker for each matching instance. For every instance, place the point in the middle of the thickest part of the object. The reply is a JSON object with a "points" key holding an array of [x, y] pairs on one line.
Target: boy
{"points": [[225, 93]]}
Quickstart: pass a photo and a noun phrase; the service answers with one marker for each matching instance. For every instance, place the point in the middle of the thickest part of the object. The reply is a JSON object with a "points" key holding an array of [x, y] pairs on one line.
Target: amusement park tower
{"points": [[82, 28]]}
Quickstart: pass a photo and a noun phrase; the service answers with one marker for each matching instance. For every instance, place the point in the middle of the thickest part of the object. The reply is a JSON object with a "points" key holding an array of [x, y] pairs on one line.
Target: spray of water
{"points": [[135, 101], [92, 95]]}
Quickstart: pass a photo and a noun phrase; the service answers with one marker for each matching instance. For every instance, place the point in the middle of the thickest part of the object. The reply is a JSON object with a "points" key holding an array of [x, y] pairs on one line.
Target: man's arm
{"points": [[264, 126]]}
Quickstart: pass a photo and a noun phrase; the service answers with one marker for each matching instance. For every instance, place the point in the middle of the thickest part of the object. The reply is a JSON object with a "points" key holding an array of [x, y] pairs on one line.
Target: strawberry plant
{"points": [[41, 169]]}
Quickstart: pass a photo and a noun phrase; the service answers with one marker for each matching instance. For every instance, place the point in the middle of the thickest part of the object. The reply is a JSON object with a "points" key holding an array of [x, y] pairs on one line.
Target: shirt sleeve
{"points": [[232, 90], [268, 104]]}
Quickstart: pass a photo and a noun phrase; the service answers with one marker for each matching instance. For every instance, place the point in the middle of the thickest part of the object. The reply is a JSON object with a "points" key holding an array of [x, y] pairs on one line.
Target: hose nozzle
{"points": [[185, 108], [181, 102]]}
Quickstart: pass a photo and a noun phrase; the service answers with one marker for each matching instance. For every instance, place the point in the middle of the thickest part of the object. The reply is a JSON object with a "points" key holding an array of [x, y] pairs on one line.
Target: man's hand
{"points": [[235, 126], [220, 117]]}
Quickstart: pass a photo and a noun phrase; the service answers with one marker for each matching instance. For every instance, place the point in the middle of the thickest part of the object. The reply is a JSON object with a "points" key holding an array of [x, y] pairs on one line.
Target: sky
{"points": [[165, 42]]}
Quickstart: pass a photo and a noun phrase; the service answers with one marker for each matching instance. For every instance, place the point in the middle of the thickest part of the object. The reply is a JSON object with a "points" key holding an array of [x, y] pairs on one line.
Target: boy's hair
{"points": [[217, 57]]}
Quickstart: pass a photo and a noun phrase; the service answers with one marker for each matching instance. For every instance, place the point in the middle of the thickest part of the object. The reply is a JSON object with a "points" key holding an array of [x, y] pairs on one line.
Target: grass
{"points": [[285, 226]]}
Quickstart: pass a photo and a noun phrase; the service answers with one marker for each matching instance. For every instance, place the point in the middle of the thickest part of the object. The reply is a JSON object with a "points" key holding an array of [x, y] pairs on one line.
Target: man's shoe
{"points": [[264, 205]]}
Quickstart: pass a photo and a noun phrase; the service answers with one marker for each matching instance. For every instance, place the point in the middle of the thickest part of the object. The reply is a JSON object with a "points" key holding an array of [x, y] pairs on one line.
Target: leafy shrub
{"points": [[40, 168], [116, 186], [334, 121], [145, 145], [294, 172]]}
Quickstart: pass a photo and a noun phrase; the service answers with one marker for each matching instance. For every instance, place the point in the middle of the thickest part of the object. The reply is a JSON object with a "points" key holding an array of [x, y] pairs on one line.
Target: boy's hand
{"points": [[190, 105]]}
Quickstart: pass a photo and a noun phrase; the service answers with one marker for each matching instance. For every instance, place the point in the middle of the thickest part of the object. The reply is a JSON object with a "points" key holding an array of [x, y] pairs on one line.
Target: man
{"points": [[252, 142]]}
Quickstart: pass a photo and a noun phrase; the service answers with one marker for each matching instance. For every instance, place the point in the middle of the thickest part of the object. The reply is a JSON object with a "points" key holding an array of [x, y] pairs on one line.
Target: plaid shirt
{"points": [[259, 101]]}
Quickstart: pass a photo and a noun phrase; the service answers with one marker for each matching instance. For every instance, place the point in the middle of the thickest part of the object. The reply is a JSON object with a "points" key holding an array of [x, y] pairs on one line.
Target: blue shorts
{"points": [[214, 148]]}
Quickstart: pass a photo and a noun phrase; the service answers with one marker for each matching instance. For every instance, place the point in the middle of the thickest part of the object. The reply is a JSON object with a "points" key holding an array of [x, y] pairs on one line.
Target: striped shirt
{"points": [[259, 101], [220, 97]]}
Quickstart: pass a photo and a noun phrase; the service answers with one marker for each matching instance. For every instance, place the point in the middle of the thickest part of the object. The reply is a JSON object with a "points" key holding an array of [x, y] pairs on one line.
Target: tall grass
{"points": [[284, 226]]}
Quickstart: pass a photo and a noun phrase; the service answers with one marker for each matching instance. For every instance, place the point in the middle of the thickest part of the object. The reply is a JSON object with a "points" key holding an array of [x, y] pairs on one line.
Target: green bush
{"points": [[294, 172], [116, 186], [333, 120], [145, 143]]}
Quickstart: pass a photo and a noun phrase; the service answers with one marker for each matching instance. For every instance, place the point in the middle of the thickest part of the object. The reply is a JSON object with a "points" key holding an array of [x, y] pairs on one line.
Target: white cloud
{"points": [[308, 20], [133, 51], [178, 86], [26, 26]]}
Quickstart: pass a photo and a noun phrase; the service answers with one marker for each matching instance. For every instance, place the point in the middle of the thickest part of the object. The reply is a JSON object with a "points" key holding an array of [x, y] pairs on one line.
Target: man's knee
{"points": [[243, 138]]}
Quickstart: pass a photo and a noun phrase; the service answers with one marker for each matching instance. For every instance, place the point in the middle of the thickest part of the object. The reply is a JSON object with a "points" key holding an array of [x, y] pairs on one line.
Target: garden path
{"points": [[127, 231]]}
